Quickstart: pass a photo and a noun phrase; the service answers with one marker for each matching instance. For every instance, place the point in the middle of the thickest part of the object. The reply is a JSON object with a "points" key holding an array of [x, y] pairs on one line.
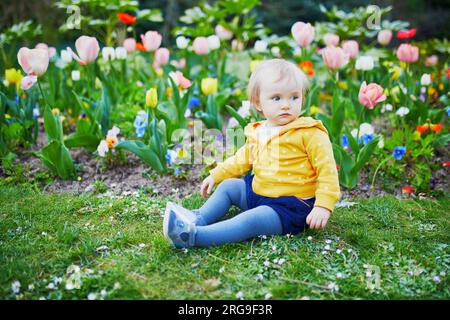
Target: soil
{"points": [[127, 178]]}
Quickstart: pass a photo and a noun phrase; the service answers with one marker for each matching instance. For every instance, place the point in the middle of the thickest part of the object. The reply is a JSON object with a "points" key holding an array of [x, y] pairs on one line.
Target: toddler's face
{"points": [[280, 102]]}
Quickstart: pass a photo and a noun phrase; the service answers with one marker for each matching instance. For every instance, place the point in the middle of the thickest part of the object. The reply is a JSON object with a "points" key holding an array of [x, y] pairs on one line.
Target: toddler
{"points": [[294, 184]]}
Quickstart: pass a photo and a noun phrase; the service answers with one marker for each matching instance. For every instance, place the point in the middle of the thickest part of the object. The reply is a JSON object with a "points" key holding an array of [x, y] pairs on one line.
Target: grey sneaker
{"points": [[178, 226]]}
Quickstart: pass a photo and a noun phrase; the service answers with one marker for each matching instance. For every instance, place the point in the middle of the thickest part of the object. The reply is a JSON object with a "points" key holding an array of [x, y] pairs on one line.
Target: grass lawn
{"points": [[64, 246]]}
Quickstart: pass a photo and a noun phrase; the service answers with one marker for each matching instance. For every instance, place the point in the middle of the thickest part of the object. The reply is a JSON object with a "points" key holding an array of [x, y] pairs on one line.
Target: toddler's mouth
{"points": [[284, 114]]}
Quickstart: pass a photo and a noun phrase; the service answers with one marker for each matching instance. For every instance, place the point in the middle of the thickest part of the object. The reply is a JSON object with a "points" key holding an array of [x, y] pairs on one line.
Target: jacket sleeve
{"points": [[234, 166], [320, 154]]}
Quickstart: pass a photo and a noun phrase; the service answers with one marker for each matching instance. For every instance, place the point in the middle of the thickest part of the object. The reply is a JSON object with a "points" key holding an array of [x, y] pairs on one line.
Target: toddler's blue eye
{"points": [[294, 97], [276, 98]]}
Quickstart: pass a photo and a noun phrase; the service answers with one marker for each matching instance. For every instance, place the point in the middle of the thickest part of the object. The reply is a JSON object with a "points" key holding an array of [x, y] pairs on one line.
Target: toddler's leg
{"points": [[230, 191], [262, 220]]}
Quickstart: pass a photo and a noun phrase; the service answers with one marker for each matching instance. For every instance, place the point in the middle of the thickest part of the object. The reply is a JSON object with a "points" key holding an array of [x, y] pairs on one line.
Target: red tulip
{"points": [[407, 189], [436, 127], [446, 164], [126, 18], [140, 46], [406, 34]]}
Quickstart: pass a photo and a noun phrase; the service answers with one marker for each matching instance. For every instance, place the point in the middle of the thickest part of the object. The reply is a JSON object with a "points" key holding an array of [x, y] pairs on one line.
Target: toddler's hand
{"points": [[318, 218], [207, 186]]}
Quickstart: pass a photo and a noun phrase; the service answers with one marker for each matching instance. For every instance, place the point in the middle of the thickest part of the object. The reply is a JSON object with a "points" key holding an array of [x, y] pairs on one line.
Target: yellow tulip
{"points": [[343, 85], [159, 72], [13, 76], [151, 98], [237, 92], [7, 116], [169, 91], [55, 111], [209, 86], [416, 136], [314, 110], [396, 71], [394, 93]]}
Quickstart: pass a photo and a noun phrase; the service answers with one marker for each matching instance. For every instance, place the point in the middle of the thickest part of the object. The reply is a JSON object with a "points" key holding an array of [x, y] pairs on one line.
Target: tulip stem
{"points": [[375, 174], [42, 92]]}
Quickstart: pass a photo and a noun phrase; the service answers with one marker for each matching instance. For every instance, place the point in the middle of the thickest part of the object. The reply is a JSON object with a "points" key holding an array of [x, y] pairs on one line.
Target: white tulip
{"points": [[275, 51], [364, 128], [108, 53], [75, 75], [364, 63], [402, 111], [66, 57], [121, 53], [260, 46], [425, 80], [213, 42], [182, 42], [386, 107]]}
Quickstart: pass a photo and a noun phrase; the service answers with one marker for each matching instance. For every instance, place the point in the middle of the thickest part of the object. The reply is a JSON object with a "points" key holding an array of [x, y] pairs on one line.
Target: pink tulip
{"points": [[331, 40], [129, 44], [384, 37], [51, 50], [87, 49], [181, 81], [303, 33], [161, 57], [181, 64], [431, 60], [334, 57], [27, 82], [151, 40], [370, 95], [351, 47], [223, 33], [33, 61], [407, 53], [201, 45]]}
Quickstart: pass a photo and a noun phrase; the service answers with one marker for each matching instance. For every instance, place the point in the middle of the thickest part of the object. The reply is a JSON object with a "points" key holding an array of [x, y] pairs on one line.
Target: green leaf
{"points": [[365, 154], [235, 114], [52, 125], [144, 152], [58, 159]]}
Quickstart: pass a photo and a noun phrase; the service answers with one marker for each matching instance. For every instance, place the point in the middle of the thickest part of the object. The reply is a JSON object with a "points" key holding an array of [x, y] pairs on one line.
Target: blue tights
{"points": [[262, 220]]}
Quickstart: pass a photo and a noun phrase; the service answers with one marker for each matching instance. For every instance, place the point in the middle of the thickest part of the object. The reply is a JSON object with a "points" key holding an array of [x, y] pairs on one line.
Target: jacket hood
{"points": [[302, 122]]}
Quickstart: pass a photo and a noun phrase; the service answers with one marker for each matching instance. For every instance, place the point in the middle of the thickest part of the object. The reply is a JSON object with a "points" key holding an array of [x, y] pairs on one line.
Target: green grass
{"points": [[42, 235]]}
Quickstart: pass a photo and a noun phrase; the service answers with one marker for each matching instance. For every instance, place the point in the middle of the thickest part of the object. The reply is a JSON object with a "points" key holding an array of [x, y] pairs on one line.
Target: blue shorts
{"points": [[290, 209]]}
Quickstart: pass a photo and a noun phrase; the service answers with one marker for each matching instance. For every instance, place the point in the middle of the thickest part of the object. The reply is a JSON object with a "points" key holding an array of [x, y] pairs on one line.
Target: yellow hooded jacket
{"points": [[297, 161]]}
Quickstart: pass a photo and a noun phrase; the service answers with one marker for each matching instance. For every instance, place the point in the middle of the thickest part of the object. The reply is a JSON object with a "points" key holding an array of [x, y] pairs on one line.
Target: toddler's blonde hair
{"points": [[279, 67]]}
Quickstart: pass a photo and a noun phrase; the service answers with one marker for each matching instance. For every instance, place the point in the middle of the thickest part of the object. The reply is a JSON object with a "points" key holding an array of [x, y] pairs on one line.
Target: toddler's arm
{"points": [[234, 166], [320, 154]]}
